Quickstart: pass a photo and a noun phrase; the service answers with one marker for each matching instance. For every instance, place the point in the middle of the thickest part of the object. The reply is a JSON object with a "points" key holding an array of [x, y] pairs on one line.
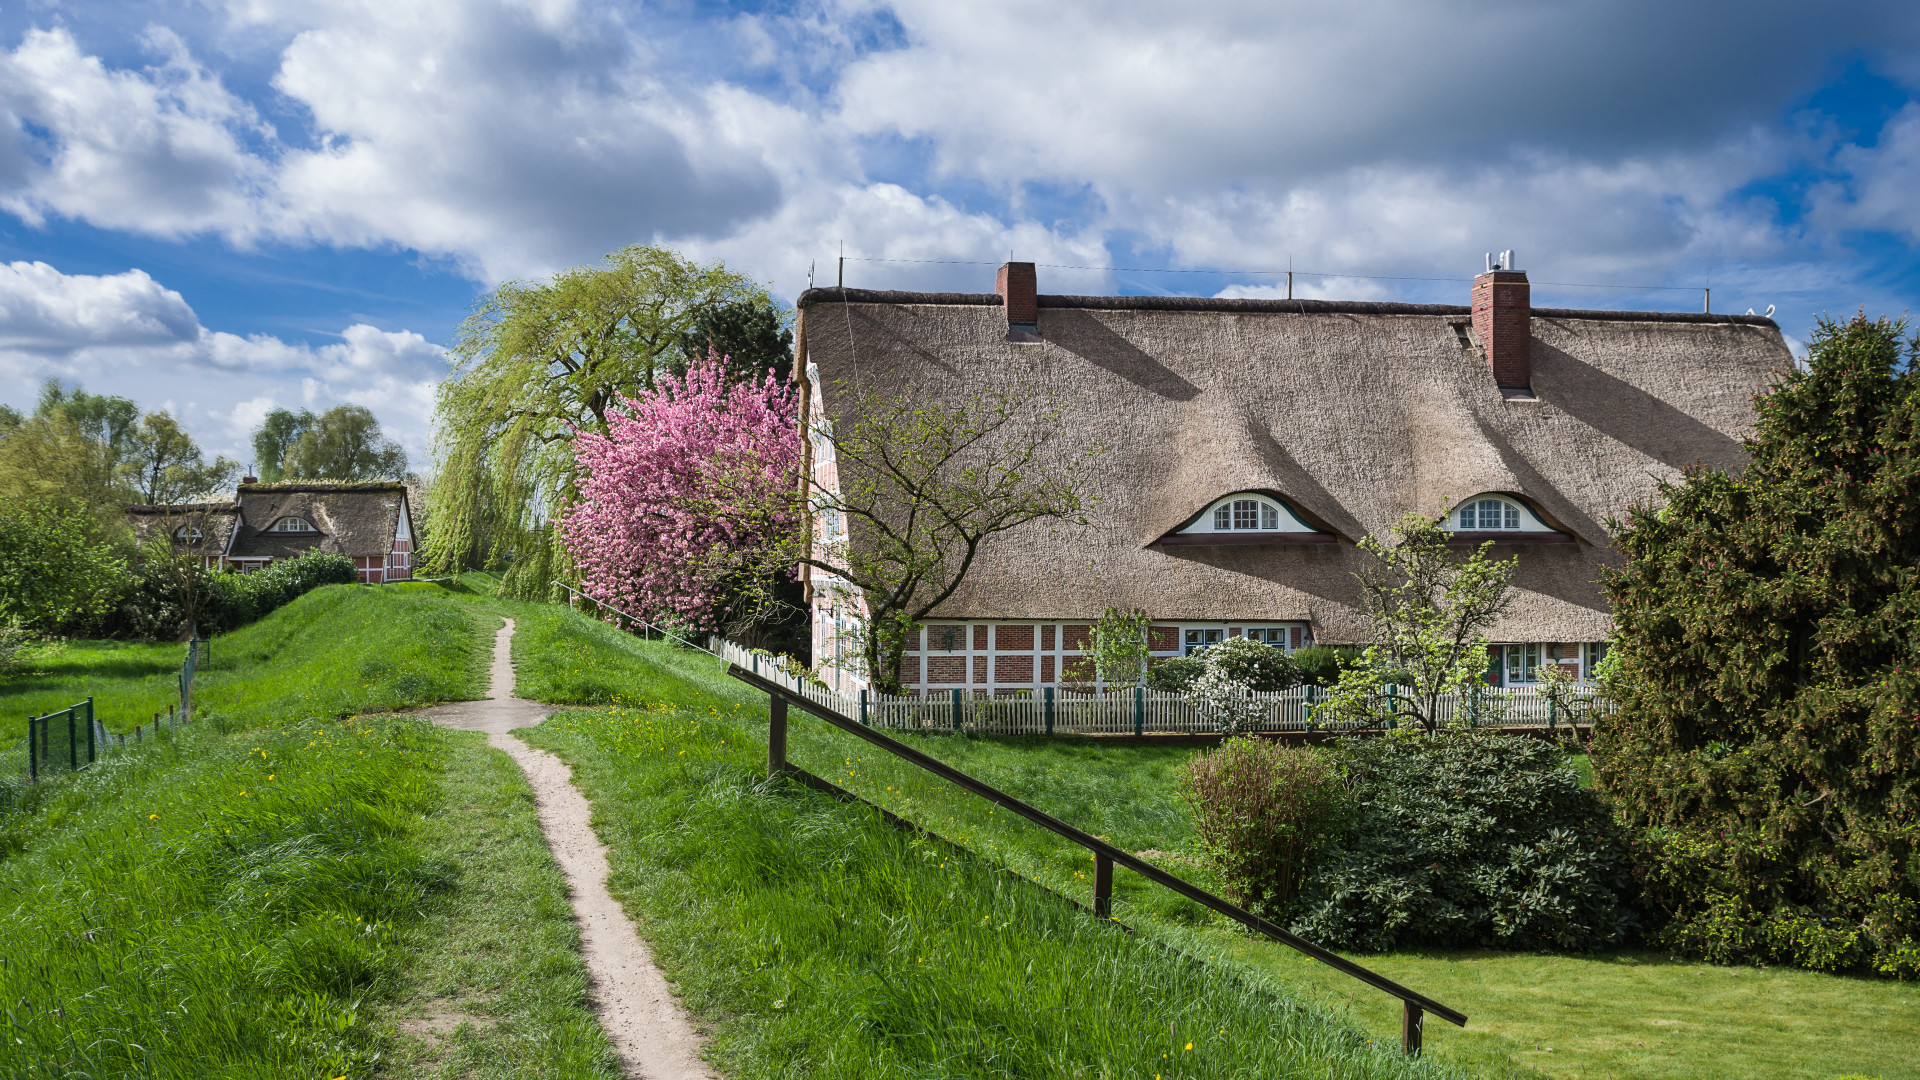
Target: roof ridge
{"points": [[1226, 304]]}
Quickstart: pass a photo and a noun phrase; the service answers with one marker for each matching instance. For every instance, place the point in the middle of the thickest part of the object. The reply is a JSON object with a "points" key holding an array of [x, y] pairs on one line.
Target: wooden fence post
{"points": [[956, 709], [1049, 697], [776, 735], [863, 707], [1411, 1021], [1102, 886]]}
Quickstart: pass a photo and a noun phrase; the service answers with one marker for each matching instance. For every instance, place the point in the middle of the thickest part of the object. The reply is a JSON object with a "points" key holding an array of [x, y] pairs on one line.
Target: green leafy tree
{"points": [[275, 436], [1429, 610], [74, 447], [754, 333], [58, 565], [1767, 675], [923, 486], [163, 465], [536, 363], [344, 443], [1118, 647]]}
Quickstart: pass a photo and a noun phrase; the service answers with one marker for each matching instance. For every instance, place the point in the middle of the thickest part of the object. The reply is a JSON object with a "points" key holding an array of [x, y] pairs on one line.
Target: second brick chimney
{"points": [[1503, 321], [1019, 289]]}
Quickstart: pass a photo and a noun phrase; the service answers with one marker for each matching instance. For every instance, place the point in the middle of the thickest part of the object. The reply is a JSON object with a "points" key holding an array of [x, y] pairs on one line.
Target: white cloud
{"points": [[126, 334]]}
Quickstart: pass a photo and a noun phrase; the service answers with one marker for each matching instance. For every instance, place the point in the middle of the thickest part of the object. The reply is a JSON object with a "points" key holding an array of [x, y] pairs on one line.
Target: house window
{"points": [[1275, 636], [1489, 515], [1596, 652], [1200, 639], [188, 534], [1523, 663], [293, 525], [1246, 514]]}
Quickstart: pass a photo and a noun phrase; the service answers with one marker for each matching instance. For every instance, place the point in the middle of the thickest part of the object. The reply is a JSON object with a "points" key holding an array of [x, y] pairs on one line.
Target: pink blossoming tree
{"points": [[672, 519]]}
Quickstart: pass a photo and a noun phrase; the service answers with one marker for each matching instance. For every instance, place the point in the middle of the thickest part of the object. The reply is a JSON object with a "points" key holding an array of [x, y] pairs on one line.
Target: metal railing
{"points": [[634, 619], [783, 689], [44, 751], [1140, 711]]}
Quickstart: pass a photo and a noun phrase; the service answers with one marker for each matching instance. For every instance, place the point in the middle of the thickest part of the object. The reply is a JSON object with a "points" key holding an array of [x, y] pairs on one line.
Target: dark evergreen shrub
{"points": [[1466, 838], [1320, 665], [1174, 674], [1767, 738]]}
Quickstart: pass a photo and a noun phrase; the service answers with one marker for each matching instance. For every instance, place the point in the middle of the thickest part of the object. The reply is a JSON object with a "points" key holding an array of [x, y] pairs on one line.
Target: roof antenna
{"points": [[842, 283]]}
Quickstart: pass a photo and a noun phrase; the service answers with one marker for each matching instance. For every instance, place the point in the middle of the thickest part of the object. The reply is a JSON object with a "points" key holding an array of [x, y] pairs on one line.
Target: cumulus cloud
{"points": [[127, 334]]}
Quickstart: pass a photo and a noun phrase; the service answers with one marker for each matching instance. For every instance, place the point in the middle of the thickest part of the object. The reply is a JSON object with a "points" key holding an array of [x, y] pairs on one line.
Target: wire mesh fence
{"points": [[1140, 711]]}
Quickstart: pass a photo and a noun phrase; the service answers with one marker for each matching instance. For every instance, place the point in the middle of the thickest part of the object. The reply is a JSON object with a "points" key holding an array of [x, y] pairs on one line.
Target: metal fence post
{"points": [[73, 744], [1139, 710], [90, 748], [956, 709], [1049, 709], [1102, 886], [776, 735], [33, 750]]}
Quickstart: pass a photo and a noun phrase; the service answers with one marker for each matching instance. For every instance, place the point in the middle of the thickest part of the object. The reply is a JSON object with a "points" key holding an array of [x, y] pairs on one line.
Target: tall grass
{"points": [[821, 942], [218, 906]]}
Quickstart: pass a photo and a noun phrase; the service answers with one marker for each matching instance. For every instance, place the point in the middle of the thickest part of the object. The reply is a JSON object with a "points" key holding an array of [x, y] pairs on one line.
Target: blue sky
{"points": [[223, 206]]}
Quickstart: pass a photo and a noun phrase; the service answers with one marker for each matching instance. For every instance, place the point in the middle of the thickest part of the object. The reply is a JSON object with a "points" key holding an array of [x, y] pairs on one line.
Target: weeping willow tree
{"points": [[535, 364]]}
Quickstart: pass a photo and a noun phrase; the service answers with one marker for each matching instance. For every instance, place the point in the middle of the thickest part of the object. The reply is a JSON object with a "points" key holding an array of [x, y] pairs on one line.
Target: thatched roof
{"points": [[215, 520], [1355, 413], [352, 519]]}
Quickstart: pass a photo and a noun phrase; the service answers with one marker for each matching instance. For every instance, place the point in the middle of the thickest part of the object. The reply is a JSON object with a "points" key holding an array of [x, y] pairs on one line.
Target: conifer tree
{"points": [[1767, 674]]}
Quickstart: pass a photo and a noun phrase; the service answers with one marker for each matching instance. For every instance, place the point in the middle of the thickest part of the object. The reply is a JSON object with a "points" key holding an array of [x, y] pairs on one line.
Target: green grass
{"points": [[817, 941], [495, 986], [1627, 1013], [129, 681], [219, 906]]}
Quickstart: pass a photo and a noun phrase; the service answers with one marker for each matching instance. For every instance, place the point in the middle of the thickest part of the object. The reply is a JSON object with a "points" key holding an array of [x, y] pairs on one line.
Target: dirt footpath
{"points": [[655, 1039]]}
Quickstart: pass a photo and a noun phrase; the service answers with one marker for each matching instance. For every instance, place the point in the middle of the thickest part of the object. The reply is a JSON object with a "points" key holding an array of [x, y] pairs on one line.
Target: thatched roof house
{"points": [[1247, 444], [367, 522]]}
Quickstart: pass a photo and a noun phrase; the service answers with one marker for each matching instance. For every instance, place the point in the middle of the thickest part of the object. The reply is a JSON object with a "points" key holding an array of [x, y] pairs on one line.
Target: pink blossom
{"points": [[676, 494]]}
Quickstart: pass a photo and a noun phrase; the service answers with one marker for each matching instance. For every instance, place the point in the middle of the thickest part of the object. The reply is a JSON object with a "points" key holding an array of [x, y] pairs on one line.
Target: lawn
{"points": [[1627, 1013], [284, 891]]}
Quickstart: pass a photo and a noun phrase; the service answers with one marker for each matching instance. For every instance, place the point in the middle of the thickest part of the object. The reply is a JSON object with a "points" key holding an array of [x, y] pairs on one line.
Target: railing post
{"points": [[863, 708], [90, 749], [1411, 1021], [1139, 710], [1102, 886], [956, 708], [1049, 697], [776, 735]]}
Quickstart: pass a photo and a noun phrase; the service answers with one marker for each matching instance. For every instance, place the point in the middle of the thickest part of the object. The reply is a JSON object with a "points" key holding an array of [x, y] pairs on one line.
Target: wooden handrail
{"points": [[1415, 1002]]}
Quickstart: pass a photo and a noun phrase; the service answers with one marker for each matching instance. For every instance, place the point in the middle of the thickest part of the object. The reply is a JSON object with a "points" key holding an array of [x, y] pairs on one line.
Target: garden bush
{"points": [[149, 608], [1261, 812], [1767, 676], [1466, 838], [1174, 674], [1321, 665]]}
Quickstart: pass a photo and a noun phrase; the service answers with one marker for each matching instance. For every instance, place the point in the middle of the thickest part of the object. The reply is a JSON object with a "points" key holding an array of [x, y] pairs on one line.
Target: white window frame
{"points": [[292, 524], [1520, 664]]}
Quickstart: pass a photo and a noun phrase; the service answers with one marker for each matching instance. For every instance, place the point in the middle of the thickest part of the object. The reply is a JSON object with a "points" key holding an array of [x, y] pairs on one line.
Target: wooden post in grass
{"points": [[1102, 886], [777, 736], [1411, 1021]]}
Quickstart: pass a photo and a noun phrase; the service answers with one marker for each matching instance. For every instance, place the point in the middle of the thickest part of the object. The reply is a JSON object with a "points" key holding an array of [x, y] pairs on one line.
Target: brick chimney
{"points": [[1019, 288], [248, 479], [1503, 321]]}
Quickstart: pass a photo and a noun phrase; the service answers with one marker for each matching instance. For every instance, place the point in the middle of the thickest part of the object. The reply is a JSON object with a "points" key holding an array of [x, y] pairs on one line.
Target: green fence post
{"points": [[1139, 710], [1307, 700], [863, 708], [73, 744], [1553, 714], [33, 750], [1049, 696], [90, 748], [956, 708]]}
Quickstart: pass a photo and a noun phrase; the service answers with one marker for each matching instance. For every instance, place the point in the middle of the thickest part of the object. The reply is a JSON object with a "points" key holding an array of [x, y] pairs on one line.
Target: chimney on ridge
{"points": [[248, 479], [1503, 321], [1019, 289]]}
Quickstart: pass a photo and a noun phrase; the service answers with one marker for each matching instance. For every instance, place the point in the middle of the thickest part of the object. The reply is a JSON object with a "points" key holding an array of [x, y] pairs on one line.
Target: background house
{"points": [[1248, 444], [367, 522]]}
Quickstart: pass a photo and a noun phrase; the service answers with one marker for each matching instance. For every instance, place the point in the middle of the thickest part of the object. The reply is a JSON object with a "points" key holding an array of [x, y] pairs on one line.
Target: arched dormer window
{"points": [[1493, 516], [1248, 517], [187, 534], [292, 525]]}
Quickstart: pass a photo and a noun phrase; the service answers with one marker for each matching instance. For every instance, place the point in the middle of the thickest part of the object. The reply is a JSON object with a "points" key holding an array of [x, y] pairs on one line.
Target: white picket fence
{"points": [[1133, 711]]}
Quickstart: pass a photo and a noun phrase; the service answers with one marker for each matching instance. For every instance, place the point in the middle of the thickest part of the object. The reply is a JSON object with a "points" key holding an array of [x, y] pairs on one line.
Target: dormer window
{"points": [[292, 525], [1246, 514], [1502, 519], [187, 534], [1247, 517], [1488, 515]]}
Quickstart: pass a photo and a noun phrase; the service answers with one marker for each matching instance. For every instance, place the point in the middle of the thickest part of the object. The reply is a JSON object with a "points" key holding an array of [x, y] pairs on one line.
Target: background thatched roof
{"points": [[1358, 413], [353, 519]]}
